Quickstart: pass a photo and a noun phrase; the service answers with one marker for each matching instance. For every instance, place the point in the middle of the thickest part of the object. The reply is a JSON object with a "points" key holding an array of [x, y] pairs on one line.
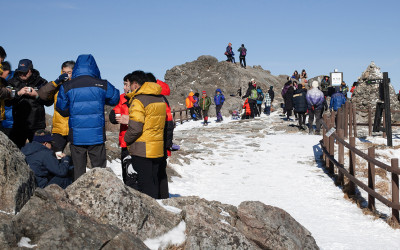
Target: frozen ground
{"points": [[237, 161]]}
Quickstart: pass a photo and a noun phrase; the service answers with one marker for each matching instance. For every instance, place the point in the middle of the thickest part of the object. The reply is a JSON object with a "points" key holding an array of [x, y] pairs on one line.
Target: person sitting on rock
{"points": [[219, 99], [204, 104], [43, 162]]}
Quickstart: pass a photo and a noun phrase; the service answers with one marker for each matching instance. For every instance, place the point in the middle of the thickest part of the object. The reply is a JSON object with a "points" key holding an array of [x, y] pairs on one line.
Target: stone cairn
{"points": [[367, 95]]}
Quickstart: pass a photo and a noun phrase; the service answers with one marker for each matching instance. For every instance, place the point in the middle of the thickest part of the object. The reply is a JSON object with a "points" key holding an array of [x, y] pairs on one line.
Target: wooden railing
{"points": [[345, 122], [180, 118]]}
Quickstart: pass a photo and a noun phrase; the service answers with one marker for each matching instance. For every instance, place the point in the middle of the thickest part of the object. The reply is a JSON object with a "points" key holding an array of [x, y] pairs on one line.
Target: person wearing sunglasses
{"points": [[28, 108]]}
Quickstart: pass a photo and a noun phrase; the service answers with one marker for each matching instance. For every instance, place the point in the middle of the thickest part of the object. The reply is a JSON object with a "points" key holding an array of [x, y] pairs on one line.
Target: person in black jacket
{"points": [[288, 97], [271, 93], [28, 108], [43, 162], [300, 105], [252, 97]]}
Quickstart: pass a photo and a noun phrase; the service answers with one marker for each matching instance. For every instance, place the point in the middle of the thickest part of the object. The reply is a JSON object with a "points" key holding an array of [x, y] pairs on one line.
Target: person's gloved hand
{"points": [[66, 158], [61, 79]]}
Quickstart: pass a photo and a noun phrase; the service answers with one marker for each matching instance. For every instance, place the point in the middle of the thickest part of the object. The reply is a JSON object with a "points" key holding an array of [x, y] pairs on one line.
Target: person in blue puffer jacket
{"points": [[83, 99], [219, 99], [260, 99], [337, 99]]}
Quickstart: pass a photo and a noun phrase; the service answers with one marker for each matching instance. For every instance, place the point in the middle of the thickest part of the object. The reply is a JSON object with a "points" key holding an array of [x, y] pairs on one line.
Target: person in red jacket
{"points": [[246, 107], [120, 115]]}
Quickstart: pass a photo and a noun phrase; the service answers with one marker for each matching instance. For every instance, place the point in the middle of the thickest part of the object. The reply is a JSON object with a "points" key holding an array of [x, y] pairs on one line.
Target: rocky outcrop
{"points": [[206, 73], [366, 95], [17, 181]]}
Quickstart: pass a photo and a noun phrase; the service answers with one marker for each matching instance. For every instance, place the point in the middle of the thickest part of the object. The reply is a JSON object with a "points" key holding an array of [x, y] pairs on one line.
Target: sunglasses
{"points": [[23, 73]]}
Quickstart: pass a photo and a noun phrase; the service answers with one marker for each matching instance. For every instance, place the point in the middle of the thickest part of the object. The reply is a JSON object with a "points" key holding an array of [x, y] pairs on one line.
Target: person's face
{"points": [[67, 70], [127, 87], [134, 86], [25, 76], [204, 95], [47, 145]]}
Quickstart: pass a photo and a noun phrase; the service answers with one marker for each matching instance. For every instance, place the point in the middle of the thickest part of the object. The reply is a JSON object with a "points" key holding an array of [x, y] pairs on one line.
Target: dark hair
{"points": [[68, 64], [42, 132], [299, 86], [3, 53], [150, 77], [242, 45], [197, 94], [126, 78], [355, 84], [138, 76], [6, 66], [258, 87]]}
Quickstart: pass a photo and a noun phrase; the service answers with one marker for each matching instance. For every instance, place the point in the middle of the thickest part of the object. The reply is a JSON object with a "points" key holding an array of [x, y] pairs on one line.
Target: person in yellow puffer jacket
{"points": [[60, 127], [145, 134], [189, 105]]}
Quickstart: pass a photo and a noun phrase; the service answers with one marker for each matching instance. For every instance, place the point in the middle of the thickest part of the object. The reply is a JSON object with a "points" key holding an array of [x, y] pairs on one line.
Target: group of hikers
{"points": [[79, 95], [199, 106], [231, 55]]}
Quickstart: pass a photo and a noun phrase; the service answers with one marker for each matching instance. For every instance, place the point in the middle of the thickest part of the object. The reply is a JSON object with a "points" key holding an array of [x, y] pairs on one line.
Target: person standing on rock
{"points": [[145, 134], [252, 94], [315, 101], [204, 104], [83, 99], [219, 100], [229, 52], [189, 105], [242, 56], [300, 105]]}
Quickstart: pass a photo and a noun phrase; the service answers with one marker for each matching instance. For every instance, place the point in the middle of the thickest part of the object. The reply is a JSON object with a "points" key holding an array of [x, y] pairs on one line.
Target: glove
{"points": [[61, 79]]}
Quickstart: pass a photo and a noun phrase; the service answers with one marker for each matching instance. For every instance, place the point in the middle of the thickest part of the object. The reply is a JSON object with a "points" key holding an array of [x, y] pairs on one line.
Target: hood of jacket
{"points": [[259, 90], [218, 90], [32, 148], [148, 88], [166, 91], [86, 66], [191, 93]]}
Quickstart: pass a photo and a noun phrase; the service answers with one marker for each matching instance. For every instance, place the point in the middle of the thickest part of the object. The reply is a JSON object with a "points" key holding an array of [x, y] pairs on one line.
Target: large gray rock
{"points": [[17, 182], [366, 95], [104, 198], [206, 73], [272, 228], [50, 221]]}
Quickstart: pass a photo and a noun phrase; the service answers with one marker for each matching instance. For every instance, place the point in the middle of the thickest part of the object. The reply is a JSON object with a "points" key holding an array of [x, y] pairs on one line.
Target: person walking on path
{"points": [[229, 53], [242, 56], [219, 100], [204, 103], [300, 105], [315, 101], [145, 134], [83, 99]]}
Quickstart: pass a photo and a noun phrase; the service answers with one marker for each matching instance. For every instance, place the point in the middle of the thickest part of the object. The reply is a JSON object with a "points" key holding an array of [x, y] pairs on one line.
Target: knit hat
{"points": [[204, 92], [315, 84], [43, 138]]}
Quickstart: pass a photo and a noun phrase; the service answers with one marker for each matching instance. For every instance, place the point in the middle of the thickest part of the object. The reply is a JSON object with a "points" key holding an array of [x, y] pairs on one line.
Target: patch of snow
{"points": [[172, 209], [224, 213], [116, 167], [174, 237], [24, 242], [193, 82], [4, 212]]}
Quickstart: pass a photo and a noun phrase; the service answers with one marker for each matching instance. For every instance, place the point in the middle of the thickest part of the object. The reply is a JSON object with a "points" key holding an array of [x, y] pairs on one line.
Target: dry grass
{"points": [[383, 188]]}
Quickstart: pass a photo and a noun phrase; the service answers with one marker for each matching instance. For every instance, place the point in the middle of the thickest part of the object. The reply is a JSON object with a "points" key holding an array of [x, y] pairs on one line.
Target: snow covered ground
{"points": [[232, 165], [235, 161]]}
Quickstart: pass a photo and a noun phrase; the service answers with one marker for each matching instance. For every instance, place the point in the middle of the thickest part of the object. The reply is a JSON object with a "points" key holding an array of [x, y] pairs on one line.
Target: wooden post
{"points": [[346, 119], [180, 115], [327, 145], [371, 179], [323, 135], [369, 120], [333, 116], [350, 120], [341, 157], [332, 153], [355, 119], [395, 189], [173, 115], [384, 124], [339, 119], [187, 119], [352, 167]]}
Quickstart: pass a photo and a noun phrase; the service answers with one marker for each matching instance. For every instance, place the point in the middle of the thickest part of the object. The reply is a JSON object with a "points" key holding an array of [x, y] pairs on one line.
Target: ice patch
{"points": [[24, 242]]}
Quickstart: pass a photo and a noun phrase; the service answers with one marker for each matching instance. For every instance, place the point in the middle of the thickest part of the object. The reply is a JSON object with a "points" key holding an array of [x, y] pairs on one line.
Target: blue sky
{"points": [[281, 36]]}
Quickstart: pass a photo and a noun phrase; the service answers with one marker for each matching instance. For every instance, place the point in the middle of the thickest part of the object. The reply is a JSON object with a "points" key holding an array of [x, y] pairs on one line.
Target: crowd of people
{"points": [[79, 95], [199, 106]]}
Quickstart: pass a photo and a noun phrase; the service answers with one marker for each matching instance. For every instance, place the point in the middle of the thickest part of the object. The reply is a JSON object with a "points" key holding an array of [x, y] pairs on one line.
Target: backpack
{"points": [[243, 52], [254, 94], [260, 97]]}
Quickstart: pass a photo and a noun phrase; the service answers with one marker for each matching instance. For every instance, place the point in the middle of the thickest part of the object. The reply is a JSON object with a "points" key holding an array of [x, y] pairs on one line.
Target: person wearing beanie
{"points": [[41, 159], [315, 102], [242, 56], [219, 99], [204, 104]]}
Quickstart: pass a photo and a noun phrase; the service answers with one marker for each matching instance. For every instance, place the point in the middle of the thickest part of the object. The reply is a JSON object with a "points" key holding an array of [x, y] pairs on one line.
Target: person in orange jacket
{"points": [[246, 107], [189, 105]]}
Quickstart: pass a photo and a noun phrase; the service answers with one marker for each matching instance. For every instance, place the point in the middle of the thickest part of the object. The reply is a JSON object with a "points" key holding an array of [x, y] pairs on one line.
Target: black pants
{"points": [[253, 108], [163, 180], [124, 153], [317, 114], [218, 112], [97, 155], [302, 118], [148, 169], [229, 58], [19, 135], [192, 114], [6, 131], [197, 111], [242, 59], [59, 142], [259, 109], [288, 113]]}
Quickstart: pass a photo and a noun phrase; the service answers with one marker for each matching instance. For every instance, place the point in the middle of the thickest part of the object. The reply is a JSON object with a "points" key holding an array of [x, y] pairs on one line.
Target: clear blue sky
{"points": [[281, 36]]}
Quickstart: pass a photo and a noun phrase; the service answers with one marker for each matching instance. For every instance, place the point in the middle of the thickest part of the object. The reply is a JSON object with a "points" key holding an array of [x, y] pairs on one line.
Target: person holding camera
{"points": [[28, 108]]}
